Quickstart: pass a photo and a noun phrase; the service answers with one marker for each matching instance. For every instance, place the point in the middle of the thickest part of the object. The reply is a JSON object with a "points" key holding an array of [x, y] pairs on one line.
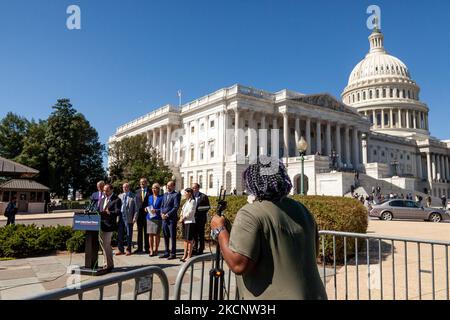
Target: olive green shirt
{"points": [[281, 239]]}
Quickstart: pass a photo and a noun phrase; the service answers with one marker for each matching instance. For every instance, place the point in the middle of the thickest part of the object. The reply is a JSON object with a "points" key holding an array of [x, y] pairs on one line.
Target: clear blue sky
{"points": [[132, 56]]}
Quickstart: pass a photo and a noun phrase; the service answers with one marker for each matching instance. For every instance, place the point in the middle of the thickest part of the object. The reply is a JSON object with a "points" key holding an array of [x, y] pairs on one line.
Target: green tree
{"points": [[34, 153], [131, 158], [13, 129], [74, 151]]}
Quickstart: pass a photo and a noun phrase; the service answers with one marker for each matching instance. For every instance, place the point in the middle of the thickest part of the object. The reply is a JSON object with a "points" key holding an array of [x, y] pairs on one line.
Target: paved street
{"points": [[381, 275], [24, 277]]}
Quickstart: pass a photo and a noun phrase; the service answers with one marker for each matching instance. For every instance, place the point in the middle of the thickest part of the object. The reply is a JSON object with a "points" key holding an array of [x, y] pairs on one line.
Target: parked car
{"points": [[407, 209]]}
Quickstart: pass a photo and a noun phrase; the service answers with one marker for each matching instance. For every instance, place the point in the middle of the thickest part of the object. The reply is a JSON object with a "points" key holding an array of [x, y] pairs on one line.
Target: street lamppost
{"points": [[302, 146], [395, 164], [334, 157]]}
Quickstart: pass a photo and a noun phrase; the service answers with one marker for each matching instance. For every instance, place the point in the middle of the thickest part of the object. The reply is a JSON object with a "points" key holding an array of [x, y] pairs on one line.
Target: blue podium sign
{"points": [[86, 222]]}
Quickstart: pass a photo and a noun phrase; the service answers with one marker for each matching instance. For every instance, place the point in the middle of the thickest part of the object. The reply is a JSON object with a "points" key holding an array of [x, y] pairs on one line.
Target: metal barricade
{"points": [[199, 279], [143, 284], [365, 267]]}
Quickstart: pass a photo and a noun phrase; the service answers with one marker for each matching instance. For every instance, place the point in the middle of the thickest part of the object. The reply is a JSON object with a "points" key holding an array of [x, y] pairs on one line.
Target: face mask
{"points": [[251, 198]]}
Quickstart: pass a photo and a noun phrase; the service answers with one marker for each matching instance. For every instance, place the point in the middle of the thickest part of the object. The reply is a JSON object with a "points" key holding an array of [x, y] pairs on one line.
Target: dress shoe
{"points": [[138, 252], [118, 253], [171, 258], [183, 260], [164, 256]]}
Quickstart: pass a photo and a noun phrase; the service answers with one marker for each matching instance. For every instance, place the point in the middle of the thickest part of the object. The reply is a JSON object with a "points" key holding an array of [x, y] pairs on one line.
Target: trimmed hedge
{"points": [[20, 241], [330, 213]]}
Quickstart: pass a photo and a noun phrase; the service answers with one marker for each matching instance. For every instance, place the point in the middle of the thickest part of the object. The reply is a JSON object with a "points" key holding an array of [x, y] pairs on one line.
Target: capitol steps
{"points": [[367, 182]]}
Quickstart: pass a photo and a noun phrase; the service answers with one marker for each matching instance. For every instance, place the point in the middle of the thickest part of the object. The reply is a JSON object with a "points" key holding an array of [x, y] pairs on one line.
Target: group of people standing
{"points": [[153, 213]]}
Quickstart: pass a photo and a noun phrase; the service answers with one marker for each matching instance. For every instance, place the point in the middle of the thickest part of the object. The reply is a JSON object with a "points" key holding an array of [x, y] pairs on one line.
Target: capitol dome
{"points": [[380, 88]]}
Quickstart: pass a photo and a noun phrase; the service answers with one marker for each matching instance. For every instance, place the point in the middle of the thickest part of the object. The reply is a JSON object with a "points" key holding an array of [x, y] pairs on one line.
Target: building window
{"points": [[200, 180], [39, 197], [192, 153], [358, 97], [391, 93], [211, 181], [370, 94], [211, 151], [32, 196], [374, 152], [211, 124], [191, 180], [378, 94], [384, 93], [382, 153], [398, 93], [364, 95], [202, 127], [192, 129], [202, 152]]}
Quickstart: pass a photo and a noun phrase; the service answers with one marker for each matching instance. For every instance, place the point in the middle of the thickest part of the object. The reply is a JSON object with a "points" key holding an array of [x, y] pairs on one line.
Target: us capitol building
{"points": [[380, 128]]}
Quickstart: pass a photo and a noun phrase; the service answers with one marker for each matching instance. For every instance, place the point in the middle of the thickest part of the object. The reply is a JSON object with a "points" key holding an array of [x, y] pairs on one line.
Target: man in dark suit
{"points": [[169, 214], [98, 195], [201, 215], [141, 200], [110, 206]]}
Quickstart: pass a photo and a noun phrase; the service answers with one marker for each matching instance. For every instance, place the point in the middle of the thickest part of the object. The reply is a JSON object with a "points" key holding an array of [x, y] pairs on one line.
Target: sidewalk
{"points": [[37, 216]]}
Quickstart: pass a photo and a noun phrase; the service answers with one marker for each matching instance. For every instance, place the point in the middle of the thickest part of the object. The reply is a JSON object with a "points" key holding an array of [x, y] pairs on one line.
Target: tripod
{"points": [[216, 274]]}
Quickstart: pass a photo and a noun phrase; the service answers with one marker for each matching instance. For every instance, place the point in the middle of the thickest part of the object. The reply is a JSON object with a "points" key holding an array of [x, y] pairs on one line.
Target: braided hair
{"points": [[265, 183]]}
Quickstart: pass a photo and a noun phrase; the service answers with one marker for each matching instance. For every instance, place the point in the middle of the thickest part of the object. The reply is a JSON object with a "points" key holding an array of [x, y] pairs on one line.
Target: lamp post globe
{"points": [[302, 146]]}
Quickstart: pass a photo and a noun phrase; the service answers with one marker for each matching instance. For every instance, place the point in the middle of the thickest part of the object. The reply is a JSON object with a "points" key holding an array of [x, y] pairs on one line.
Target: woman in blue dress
{"points": [[154, 220]]}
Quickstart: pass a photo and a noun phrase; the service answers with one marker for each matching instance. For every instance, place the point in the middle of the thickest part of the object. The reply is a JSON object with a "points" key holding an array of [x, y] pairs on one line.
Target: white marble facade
{"points": [[380, 127]]}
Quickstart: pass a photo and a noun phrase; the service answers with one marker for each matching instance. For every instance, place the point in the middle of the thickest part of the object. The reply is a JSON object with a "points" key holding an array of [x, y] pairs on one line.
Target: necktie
{"points": [[105, 204]]}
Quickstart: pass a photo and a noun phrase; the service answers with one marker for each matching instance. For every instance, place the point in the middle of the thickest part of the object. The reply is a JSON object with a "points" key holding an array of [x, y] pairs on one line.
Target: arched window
{"points": [[398, 93], [404, 93], [364, 95], [384, 92], [358, 97], [377, 93], [370, 94], [392, 93]]}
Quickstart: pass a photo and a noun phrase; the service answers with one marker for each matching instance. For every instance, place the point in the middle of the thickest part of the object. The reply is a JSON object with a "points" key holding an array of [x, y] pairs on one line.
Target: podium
{"points": [[91, 224]]}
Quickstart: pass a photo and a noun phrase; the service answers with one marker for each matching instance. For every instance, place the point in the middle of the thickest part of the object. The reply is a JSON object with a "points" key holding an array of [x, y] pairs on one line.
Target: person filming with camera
{"points": [[273, 244]]}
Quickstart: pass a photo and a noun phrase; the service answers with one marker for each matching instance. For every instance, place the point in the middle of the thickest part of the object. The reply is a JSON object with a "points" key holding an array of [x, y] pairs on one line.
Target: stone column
{"points": [[399, 124], [375, 119], [433, 166], [439, 167], [263, 136], [419, 167], [338, 144], [236, 131], [382, 118], [297, 134], [414, 120], [318, 137], [328, 138], [407, 119], [429, 168], [149, 138], [275, 137], [347, 146], [160, 146], [286, 135], [168, 142], [252, 139], [355, 148], [391, 118], [308, 134], [154, 138], [447, 177]]}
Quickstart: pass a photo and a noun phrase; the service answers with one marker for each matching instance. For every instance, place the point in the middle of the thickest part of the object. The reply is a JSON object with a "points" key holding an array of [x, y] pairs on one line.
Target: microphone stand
{"points": [[216, 274]]}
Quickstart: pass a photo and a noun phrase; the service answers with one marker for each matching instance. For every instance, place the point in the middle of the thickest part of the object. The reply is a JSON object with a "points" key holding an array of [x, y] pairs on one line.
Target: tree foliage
{"points": [[74, 151], [65, 148], [13, 129], [131, 158]]}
